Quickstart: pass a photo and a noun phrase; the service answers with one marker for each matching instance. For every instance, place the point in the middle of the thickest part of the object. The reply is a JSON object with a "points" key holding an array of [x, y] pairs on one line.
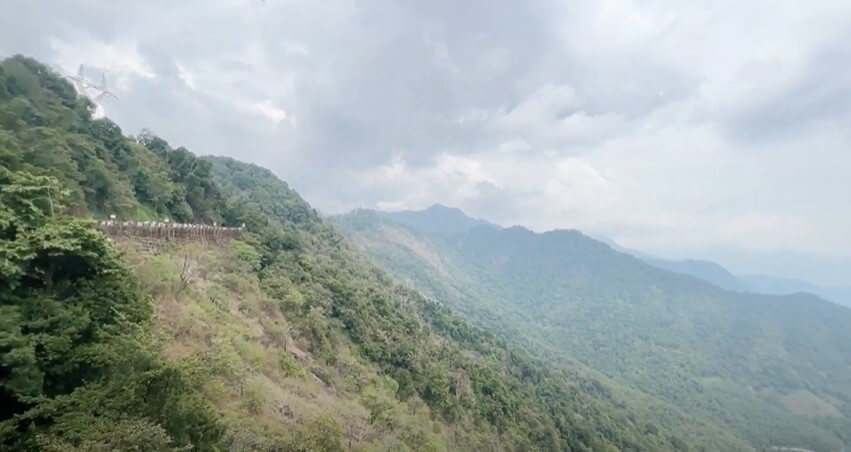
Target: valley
{"points": [[736, 359]]}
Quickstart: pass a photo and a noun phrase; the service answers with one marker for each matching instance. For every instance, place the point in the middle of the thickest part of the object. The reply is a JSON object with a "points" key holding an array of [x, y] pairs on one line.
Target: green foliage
{"points": [[158, 275], [105, 434], [80, 367], [465, 376], [722, 357], [256, 395], [323, 434], [65, 354], [291, 368], [47, 129], [198, 197], [247, 254]]}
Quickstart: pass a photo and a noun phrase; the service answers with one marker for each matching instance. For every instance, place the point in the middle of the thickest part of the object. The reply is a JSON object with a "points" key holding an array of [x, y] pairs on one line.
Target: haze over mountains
{"points": [[767, 284], [721, 277], [442, 219], [770, 369]]}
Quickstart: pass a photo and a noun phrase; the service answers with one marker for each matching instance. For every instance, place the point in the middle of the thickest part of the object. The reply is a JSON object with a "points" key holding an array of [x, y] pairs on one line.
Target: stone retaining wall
{"points": [[168, 231]]}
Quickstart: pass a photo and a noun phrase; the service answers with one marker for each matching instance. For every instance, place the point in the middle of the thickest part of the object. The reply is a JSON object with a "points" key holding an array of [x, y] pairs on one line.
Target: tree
{"points": [[72, 345]]}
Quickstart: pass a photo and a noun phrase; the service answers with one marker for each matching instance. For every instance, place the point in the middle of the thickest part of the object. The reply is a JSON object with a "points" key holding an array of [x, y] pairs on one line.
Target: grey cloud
{"points": [[410, 71], [383, 78], [821, 92], [382, 97]]}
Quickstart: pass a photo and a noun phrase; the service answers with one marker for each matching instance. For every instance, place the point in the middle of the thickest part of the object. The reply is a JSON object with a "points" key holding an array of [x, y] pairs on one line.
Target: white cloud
{"points": [[185, 76], [547, 103], [268, 110], [120, 62]]}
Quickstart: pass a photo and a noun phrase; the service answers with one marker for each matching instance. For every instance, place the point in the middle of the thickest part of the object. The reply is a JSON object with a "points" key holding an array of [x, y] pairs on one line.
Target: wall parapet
{"points": [[169, 231]]}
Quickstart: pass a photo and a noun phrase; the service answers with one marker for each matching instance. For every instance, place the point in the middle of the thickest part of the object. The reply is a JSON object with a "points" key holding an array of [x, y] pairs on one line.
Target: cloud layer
{"points": [[678, 127]]}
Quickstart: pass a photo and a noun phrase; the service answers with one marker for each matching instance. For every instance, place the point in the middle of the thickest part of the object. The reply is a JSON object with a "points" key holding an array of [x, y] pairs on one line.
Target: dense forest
{"points": [[286, 339], [771, 370]]}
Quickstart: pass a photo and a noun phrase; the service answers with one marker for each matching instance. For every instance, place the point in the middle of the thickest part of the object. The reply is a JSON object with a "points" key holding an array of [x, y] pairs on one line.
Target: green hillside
{"points": [[286, 339], [773, 371]]}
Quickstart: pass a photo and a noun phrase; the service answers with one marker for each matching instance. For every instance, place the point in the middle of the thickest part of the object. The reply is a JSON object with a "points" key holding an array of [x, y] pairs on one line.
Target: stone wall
{"points": [[161, 231]]}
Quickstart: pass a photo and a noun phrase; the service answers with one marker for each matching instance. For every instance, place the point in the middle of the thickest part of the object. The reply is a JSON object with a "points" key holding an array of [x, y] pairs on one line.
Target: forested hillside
{"points": [[44, 124], [773, 371], [284, 340]]}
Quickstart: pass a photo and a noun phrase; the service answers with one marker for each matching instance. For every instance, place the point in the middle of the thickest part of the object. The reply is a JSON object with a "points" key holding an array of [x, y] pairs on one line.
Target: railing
{"points": [[168, 231]]}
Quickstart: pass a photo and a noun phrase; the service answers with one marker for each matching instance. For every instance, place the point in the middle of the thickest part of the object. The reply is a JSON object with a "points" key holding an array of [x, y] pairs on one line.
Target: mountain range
{"points": [[442, 219], [721, 277], [773, 370], [287, 338], [369, 331]]}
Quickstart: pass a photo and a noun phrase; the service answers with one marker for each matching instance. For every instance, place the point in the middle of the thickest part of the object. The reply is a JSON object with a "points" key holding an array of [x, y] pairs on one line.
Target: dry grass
{"points": [[224, 319]]}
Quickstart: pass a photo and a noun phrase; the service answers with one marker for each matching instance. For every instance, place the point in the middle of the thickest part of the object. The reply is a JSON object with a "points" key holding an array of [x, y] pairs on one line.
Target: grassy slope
{"points": [[589, 404], [725, 357], [259, 371]]}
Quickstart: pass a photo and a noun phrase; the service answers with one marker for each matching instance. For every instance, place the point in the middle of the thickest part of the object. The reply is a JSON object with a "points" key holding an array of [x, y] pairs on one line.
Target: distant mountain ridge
{"points": [[751, 363], [721, 277], [705, 270], [763, 284], [775, 285], [442, 219], [437, 219]]}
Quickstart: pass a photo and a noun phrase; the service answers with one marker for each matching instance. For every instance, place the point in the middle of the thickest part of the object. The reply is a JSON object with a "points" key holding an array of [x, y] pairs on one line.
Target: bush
{"points": [[323, 434], [237, 283], [282, 289], [252, 353], [158, 275], [100, 434], [218, 296], [290, 367], [247, 254], [256, 395], [276, 333]]}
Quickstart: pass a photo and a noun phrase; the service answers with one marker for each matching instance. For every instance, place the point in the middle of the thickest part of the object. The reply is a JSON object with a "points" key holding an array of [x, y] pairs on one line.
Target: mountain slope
{"points": [[81, 367], [574, 409], [748, 363], [437, 218], [705, 270], [44, 125], [286, 339], [784, 286]]}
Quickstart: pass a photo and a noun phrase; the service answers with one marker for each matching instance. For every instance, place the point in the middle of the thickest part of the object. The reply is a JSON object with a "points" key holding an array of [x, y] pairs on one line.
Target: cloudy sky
{"points": [[706, 128]]}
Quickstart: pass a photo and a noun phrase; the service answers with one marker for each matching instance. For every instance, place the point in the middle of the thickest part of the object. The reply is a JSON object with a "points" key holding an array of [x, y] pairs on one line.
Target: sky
{"points": [[709, 128]]}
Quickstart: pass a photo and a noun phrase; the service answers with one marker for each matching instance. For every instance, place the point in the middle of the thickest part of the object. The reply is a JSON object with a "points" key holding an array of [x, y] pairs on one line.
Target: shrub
{"points": [[256, 395], [252, 353], [247, 254], [290, 367], [217, 295], [158, 275], [323, 434], [237, 283]]}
